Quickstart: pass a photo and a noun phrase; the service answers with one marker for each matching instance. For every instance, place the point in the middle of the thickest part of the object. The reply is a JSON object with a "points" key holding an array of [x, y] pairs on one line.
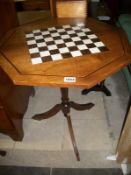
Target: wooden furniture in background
{"points": [[124, 144], [36, 5], [71, 8], [8, 17], [13, 104], [13, 99], [53, 8]]}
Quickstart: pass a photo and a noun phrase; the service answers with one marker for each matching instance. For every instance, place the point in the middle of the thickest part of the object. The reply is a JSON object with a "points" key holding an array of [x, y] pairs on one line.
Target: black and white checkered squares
{"points": [[57, 43]]}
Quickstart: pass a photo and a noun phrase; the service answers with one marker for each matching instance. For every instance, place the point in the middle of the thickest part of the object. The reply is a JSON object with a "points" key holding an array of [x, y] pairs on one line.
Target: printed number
{"points": [[70, 79]]}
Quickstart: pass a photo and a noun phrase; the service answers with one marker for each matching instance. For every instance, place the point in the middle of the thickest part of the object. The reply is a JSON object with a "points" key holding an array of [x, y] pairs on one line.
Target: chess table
{"points": [[64, 53]]}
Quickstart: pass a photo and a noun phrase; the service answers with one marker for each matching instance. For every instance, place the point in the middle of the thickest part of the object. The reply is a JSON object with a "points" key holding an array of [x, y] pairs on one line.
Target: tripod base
{"points": [[65, 106]]}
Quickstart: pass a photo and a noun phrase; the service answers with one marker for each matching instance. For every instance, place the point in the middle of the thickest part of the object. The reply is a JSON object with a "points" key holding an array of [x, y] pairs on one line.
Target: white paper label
{"points": [[70, 79]]}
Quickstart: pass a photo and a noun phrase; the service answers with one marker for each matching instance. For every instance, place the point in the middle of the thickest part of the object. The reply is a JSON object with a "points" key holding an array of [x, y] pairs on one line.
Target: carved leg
{"points": [[105, 89], [81, 107], [72, 137], [33, 92], [48, 114], [66, 112], [99, 88]]}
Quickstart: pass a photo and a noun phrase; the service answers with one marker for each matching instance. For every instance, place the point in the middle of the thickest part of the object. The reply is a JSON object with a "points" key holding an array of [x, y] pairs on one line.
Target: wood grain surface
{"points": [[88, 69]]}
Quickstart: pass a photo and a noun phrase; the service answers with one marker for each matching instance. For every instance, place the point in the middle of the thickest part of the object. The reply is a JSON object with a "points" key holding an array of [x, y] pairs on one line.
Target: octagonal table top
{"points": [[86, 70]]}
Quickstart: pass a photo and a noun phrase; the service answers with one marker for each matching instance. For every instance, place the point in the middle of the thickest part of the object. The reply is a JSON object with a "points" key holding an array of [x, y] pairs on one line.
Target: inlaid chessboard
{"points": [[62, 42]]}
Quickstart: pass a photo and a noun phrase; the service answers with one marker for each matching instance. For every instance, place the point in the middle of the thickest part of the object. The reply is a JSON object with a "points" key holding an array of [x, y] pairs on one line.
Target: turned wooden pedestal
{"points": [[65, 106]]}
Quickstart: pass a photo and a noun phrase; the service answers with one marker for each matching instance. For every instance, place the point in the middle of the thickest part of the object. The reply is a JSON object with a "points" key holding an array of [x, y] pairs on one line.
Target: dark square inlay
{"points": [[66, 55], [73, 48]]}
